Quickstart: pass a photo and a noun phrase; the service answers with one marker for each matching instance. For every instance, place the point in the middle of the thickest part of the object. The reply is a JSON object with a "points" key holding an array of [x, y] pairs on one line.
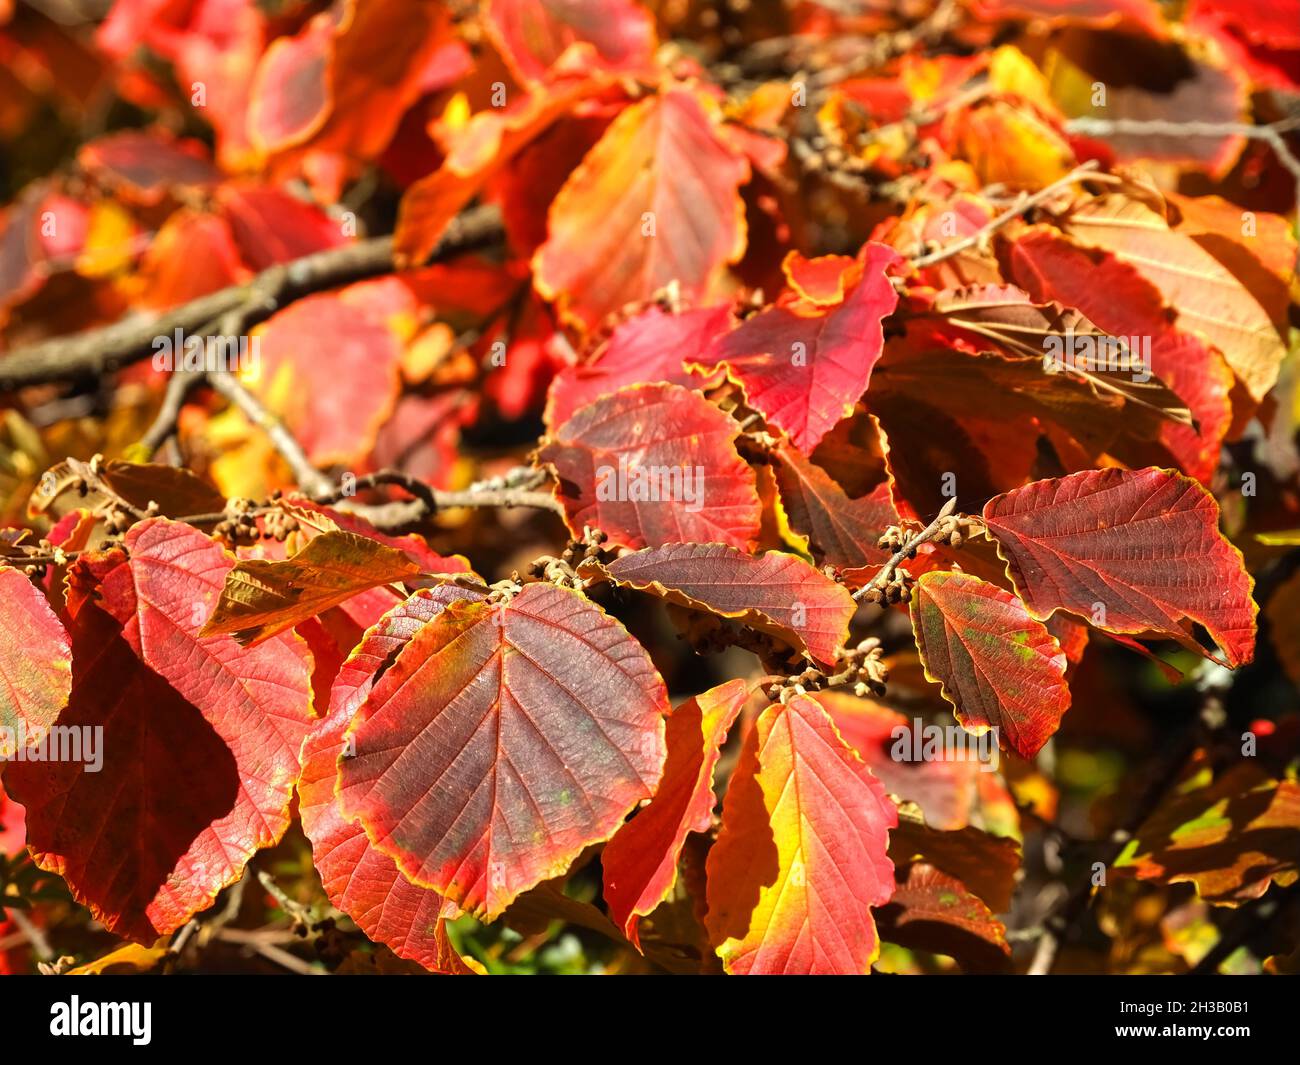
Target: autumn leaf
{"points": [[1231, 837], [944, 785], [328, 365], [538, 35], [487, 143], [654, 464], [200, 738], [774, 592], [183, 796], [129, 960], [35, 664], [998, 667], [804, 365], [618, 233], [801, 858], [1208, 299], [987, 865], [1118, 299], [837, 530], [261, 597], [1065, 341], [145, 165], [932, 911], [360, 879], [1130, 551], [640, 862], [536, 725], [649, 348], [344, 82], [170, 490]]}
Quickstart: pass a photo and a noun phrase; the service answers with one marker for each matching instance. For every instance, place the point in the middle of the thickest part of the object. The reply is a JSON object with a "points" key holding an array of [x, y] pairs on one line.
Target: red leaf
{"points": [[801, 858], [640, 862], [646, 349], [1132, 551], [804, 366], [944, 788], [145, 165], [823, 280], [504, 739], [773, 592], [290, 94], [487, 142], [272, 227], [1208, 299], [152, 837], [200, 738], [13, 826], [330, 366], [1114, 296], [934, 912], [998, 666], [360, 879], [343, 84], [836, 529], [654, 464], [191, 255]]}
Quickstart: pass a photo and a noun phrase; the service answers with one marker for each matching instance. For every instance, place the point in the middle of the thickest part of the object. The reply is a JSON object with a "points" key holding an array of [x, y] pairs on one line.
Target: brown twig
{"points": [[260, 943], [33, 933], [309, 478], [1270, 134], [515, 489], [907, 551], [99, 351], [1079, 173], [882, 48], [179, 386]]}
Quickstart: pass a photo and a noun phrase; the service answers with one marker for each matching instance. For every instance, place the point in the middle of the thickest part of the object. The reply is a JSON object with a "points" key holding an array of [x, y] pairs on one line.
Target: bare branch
{"points": [[1079, 173], [516, 489], [179, 386], [907, 551], [99, 351], [1270, 134], [309, 478]]}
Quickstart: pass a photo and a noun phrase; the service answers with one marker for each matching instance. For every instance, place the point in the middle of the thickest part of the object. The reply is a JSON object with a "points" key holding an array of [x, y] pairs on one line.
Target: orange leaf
{"points": [[801, 858], [655, 201], [640, 862]]}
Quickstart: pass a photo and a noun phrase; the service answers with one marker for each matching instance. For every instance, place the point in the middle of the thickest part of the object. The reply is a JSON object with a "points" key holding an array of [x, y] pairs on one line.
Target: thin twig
{"points": [[33, 934], [309, 478], [182, 938], [295, 909], [1270, 134], [907, 551], [884, 47], [179, 386], [515, 489], [98, 351], [258, 944], [1079, 173]]}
